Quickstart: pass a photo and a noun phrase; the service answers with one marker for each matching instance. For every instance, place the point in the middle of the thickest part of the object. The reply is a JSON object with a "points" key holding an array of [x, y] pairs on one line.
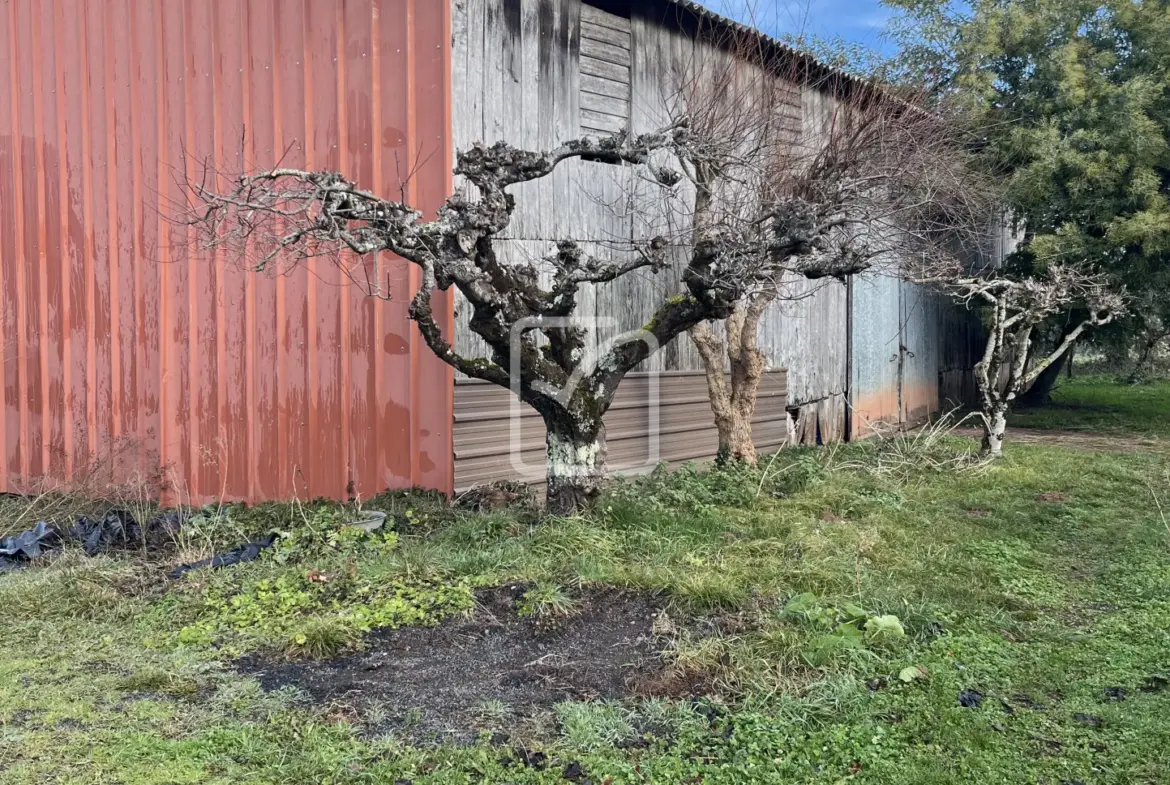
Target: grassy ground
{"points": [[877, 613], [1101, 405]]}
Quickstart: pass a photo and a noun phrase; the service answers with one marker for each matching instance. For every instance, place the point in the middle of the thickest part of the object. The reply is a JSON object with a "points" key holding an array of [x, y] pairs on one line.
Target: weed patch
{"points": [[849, 614]]}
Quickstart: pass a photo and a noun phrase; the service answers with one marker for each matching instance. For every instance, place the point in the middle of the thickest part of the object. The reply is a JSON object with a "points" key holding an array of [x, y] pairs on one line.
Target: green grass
{"points": [[1040, 583], [1102, 404]]}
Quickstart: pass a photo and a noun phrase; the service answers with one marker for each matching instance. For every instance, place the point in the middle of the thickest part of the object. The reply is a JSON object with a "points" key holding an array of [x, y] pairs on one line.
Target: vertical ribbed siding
{"points": [[654, 417], [127, 354]]}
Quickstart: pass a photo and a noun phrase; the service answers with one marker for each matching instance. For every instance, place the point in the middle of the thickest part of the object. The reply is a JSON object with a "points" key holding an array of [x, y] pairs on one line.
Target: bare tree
{"points": [[728, 224], [1016, 306], [868, 180], [285, 216]]}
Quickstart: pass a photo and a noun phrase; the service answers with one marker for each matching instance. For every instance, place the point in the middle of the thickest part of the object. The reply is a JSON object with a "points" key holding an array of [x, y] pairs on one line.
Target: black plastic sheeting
{"points": [[241, 553], [116, 529], [18, 549]]}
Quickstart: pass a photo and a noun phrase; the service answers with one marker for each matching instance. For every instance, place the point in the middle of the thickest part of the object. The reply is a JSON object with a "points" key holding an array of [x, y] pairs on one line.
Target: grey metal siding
{"points": [[876, 338], [491, 430]]}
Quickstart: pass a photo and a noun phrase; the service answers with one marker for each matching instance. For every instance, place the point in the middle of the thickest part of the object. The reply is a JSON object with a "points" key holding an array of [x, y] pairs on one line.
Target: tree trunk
{"points": [[994, 427], [747, 370], [734, 405], [1040, 391], [1139, 367], [575, 467]]}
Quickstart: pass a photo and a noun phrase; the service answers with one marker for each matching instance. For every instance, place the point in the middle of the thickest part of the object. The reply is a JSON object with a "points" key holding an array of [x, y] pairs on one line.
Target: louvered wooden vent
{"points": [[605, 71]]}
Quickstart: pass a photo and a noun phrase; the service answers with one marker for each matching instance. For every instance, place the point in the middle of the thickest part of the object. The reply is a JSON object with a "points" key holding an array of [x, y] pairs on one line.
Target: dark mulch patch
{"points": [[431, 680]]}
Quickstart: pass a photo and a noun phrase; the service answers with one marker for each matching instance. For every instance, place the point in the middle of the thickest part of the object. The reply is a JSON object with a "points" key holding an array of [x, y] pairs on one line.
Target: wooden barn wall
{"points": [[128, 357], [517, 77]]}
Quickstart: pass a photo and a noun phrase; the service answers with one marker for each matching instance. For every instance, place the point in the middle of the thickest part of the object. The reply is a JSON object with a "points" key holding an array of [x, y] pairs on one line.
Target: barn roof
{"points": [[815, 69]]}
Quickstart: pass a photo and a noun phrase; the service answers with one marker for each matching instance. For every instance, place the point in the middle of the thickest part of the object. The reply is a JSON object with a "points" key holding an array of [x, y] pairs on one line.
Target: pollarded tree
{"points": [[1016, 307], [867, 180], [524, 311], [285, 216]]}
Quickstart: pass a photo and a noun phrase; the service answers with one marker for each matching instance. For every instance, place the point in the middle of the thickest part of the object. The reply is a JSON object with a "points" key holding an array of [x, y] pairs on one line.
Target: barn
{"points": [[131, 361]]}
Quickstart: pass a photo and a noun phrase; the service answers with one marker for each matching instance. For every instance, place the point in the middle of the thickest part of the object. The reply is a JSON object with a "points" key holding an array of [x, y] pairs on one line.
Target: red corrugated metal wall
{"points": [[126, 357]]}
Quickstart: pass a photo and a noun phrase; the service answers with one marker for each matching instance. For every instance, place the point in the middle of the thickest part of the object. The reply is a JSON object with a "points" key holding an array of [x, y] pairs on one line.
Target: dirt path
{"points": [[1080, 440]]}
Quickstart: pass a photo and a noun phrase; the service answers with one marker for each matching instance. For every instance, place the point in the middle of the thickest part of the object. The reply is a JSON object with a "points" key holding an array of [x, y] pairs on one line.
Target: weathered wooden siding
{"points": [[518, 76], [605, 71]]}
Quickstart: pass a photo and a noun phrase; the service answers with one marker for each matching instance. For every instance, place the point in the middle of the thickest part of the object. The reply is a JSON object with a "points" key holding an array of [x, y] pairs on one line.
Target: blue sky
{"points": [[859, 21]]}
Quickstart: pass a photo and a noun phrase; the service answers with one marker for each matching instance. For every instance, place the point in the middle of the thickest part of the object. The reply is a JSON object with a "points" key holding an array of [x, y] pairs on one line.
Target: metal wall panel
{"points": [[875, 341], [913, 353], [921, 352], [130, 357], [491, 427]]}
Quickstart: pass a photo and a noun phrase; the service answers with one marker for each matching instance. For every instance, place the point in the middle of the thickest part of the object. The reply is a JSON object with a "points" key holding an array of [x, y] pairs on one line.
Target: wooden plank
{"points": [[810, 422], [535, 104], [591, 48], [606, 35], [597, 122], [593, 67], [599, 86], [825, 420], [595, 16], [592, 102]]}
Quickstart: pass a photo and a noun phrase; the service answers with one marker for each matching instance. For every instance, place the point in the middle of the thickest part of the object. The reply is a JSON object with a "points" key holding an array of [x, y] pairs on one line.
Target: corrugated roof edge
{"points": [[814, 65]]}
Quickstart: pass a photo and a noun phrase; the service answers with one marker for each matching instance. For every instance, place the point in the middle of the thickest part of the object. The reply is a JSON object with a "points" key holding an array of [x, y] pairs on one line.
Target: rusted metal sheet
{"points": [[496, 439], [131, 358], [921, 352], [912, 353], [875, 345]]}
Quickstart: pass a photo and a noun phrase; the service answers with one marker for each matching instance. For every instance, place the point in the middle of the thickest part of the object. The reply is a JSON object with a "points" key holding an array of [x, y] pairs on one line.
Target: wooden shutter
{"points": [[605, 71]]}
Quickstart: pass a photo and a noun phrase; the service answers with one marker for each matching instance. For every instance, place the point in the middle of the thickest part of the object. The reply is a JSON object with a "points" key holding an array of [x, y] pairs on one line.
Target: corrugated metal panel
{"points": [[921, 352], [875, 342], [492, 427], [125, 354], [913, 351]]}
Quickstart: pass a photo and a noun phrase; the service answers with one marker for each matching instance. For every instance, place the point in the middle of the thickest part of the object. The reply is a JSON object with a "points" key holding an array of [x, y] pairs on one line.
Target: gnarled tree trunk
{"points": [[1148, 345], [1040, 391], [734, 405], [575, 467]]}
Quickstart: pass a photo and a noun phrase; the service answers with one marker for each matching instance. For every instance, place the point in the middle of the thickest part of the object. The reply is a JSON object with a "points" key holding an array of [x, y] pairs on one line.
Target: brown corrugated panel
{"points": [[129, 356], [499, 438]]}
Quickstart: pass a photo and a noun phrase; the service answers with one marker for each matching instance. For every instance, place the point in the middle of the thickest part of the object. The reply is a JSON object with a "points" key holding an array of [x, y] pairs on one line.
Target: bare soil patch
{"points": [[437, 683]]}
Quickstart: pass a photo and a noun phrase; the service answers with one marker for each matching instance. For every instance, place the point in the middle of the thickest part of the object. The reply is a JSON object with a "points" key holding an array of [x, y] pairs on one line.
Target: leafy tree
{"points": [[1073, 97]]}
